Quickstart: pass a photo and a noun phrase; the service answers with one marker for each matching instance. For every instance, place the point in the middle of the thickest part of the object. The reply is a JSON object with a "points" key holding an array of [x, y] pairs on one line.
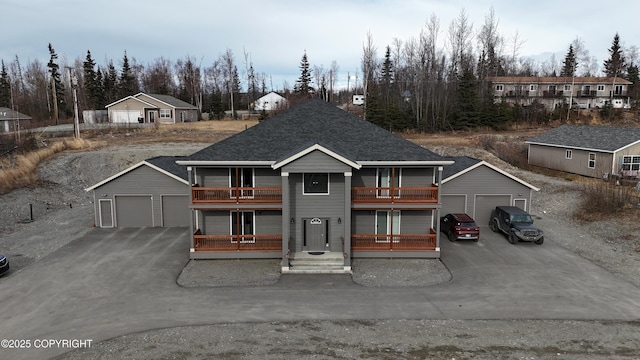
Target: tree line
{"points": [[415, 84]]}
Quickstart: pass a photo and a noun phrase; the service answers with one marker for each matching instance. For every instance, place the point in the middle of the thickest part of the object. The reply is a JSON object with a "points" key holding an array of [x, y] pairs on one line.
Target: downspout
{"points": [[436, 219], [347, 221], [286, 224]]}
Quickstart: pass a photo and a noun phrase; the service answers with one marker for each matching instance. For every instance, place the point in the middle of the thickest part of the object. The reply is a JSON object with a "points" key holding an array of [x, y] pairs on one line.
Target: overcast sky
{"points": [[276, 33]]}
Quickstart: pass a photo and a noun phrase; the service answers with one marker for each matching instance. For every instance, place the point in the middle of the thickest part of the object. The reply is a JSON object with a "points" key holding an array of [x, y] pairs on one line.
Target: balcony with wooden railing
{"points": [[395, 242], [212, 195], [401, 195], [264, 243]]}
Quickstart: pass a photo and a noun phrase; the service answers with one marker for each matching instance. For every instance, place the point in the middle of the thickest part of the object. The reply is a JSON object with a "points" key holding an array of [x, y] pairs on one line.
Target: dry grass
{"points": [[20, 170], [604, 200]]}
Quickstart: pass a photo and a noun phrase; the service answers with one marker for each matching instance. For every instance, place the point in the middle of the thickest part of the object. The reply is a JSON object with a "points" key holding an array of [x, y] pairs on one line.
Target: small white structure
{"points": [[271, 101], [358, 99]]}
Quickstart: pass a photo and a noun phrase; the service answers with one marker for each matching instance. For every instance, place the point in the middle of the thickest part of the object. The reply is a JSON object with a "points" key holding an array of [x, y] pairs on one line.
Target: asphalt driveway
{"points": [[113, 282]]}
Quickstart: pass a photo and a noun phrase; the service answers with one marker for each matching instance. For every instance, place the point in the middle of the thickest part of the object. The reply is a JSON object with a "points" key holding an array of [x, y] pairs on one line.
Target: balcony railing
{"points": [[385, 195], [271, 242], [553, 94], [236, 195], [396, 242]]}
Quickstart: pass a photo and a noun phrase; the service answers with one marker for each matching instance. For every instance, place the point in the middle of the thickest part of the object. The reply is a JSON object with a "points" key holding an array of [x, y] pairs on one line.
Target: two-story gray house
{"points": [[314, 181]]}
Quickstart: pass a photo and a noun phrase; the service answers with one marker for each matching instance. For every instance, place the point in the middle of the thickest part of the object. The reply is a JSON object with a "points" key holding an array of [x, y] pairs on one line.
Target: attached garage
{"points": [[125, 116], [154, 192], [476, 187]]}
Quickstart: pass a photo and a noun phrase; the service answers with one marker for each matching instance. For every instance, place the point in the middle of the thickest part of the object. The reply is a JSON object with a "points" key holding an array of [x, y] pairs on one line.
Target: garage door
{"points": [[125, 116], [452, 204], [134, 211], [175, 211], [485, 203]]}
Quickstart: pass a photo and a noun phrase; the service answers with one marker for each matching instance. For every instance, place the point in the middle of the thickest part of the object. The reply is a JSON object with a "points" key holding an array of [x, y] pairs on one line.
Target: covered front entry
{"points": [[315, 235]]}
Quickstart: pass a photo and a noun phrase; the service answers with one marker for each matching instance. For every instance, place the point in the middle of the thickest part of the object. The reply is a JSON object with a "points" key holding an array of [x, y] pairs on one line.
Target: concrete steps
{"points": [[327, 263]]}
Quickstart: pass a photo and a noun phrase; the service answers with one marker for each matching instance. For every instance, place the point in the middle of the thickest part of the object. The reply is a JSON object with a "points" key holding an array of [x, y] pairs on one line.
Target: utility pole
{"points": [[55, 99], [74, 85]]}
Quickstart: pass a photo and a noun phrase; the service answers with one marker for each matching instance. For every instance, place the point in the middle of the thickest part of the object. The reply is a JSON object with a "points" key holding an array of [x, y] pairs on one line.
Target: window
{"points": [[387, 178], [242, 226], [165, 113], [618, 90], [600, 87], [241, 178], [592, 161], [567, 88], [533, 87], [631, 162], [316, 184], [568, 154], [385, 225], [499, 87]]}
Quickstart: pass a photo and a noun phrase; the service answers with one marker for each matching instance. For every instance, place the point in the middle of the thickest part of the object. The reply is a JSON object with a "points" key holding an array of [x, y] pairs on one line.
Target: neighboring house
{"points": [[314, 180], [270, 102], [554, 92], [153, 192], [358, 100], [595, 151], [476, 187], [11, 120], [151, 108]]}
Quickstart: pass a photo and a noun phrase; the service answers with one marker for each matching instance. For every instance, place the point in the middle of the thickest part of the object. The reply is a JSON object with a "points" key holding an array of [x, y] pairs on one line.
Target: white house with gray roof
{"points": [[152, 108], [314, 183], [595, 151]]}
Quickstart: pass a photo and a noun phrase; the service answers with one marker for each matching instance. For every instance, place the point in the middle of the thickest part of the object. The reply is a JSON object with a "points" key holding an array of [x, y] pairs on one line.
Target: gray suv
{"points": [[516, 223]]}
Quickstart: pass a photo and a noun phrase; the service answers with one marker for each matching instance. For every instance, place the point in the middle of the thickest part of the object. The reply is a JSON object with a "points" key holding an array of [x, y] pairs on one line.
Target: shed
{"points": [[11, 120], [475, 187], [153, 192]]}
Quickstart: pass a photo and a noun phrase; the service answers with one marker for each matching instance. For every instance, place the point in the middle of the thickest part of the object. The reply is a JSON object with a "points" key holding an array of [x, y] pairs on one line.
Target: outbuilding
{"points": [[475, 187], [153, 192]]}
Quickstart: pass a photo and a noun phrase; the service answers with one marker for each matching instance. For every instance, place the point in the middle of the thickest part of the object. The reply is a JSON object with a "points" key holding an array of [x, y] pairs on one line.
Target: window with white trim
{"points": [[387, 223], [631, 162], [316, 184], [165, 113], [592, 161], [567, 88], [568, 154], [242, 178], [499, 87], [533, 87], [242, 226], [600, 87]]}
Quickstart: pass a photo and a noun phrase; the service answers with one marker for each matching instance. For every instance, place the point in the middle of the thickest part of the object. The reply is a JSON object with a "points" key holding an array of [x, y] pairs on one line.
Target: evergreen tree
{"points": [[127, 83], [303, 84], [55, 82], [570, 63], [386, 74], [216, 110], [615, 65], [633, 75], [92, 87], [5, 87], [101, 99], [111, 83], [466, 114]]}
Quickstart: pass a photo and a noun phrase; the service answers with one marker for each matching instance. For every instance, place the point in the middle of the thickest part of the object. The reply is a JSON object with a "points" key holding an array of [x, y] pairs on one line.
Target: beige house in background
{"points": [[595, 151], [553, 91], [151, 108]]}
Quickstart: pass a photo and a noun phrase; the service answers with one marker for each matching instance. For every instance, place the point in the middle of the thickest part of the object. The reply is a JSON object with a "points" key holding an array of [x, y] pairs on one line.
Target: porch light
{"points": [[339, 220], [293, 221]]}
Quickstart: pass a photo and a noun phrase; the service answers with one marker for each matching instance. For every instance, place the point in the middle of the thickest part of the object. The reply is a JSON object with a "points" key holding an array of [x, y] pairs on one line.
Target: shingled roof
{"points": [[314, 122], [461, 163], [598, 138]]}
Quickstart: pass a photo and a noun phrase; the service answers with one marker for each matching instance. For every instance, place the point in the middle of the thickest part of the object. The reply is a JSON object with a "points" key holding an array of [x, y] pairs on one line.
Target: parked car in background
{"points": [[4, 264], [516, 223], [459, 226]]}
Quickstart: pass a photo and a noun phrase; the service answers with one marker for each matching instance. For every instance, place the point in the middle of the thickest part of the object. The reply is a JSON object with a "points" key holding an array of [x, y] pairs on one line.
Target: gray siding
{"points": [[316, 161], [555, 158], [141, 181], [483, 181], [267, 177], [409, 177], [322, 206], [219, 222], [212, 177], [411, 221]]}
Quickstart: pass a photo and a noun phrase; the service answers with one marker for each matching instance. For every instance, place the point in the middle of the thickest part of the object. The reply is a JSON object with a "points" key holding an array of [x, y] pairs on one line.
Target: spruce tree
{"points": [[126, 83], [91, 84], [303, 84], [570, 63], [615, 65], [5, 87], [111, 83], [55, 83]]}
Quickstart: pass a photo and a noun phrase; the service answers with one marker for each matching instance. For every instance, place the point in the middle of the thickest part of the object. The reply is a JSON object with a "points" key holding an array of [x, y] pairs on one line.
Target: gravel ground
{"points": [[61, 201]]}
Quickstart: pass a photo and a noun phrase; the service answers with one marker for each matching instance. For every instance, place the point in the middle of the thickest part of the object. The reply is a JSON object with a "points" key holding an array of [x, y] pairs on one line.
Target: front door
{"points": [[315, 234], [152, 116]]}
